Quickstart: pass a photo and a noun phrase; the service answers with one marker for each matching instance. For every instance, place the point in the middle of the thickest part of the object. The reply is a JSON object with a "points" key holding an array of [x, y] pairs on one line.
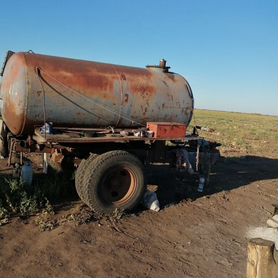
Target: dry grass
{"points": [[240, 133]]}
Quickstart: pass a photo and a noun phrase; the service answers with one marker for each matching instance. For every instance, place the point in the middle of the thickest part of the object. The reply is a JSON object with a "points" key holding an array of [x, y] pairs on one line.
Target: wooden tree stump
{"points": [[260, 261]]}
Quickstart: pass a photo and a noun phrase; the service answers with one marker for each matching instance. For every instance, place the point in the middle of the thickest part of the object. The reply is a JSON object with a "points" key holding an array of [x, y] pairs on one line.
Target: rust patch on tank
{"points": [[53, 63], [90, 78], [142, 87], [126, 98], [123, 77]]}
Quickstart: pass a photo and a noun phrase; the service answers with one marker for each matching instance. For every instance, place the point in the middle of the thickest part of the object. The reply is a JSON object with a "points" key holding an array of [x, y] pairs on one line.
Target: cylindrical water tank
{"points": [[75, 93]]}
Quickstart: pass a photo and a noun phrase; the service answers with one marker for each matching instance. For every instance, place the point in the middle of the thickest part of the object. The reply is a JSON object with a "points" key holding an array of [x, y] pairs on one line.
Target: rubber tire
{"points": [[80, 172], [97, 170]]}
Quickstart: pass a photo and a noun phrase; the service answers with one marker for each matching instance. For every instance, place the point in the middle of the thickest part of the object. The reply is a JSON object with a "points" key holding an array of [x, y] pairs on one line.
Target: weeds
{"points": [[18, 199], [44, 220]]}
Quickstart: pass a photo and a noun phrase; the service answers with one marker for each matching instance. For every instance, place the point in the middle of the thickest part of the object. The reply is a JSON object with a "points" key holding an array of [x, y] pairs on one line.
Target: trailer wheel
{"points": [[80, 172], [113, 180]]}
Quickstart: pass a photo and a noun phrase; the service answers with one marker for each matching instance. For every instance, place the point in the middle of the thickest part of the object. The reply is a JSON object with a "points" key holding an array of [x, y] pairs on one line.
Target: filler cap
{"points": [[162, 66]]}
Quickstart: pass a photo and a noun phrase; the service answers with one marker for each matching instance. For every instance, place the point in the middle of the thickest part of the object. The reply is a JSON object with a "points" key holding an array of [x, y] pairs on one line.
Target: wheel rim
{"points": [[118, 186]]}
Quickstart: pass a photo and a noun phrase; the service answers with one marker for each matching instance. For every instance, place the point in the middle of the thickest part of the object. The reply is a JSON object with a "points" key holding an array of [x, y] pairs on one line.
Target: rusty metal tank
{"points": [[76, 93]]}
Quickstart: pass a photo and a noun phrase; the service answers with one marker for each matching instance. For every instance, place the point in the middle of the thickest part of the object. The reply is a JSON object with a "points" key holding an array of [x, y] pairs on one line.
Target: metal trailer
{"points": [[109, 121]]}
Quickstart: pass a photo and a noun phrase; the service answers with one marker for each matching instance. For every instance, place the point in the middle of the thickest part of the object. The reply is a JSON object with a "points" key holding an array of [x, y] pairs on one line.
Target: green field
{"points": [[239, 133]]}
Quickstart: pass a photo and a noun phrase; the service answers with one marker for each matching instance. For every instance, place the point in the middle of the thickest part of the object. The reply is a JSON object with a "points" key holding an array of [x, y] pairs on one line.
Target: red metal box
{"points": [[167, 130]]}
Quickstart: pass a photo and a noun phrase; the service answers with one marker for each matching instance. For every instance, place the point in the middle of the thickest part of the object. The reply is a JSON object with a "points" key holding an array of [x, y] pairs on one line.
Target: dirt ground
{"points": [[194, 235]]}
